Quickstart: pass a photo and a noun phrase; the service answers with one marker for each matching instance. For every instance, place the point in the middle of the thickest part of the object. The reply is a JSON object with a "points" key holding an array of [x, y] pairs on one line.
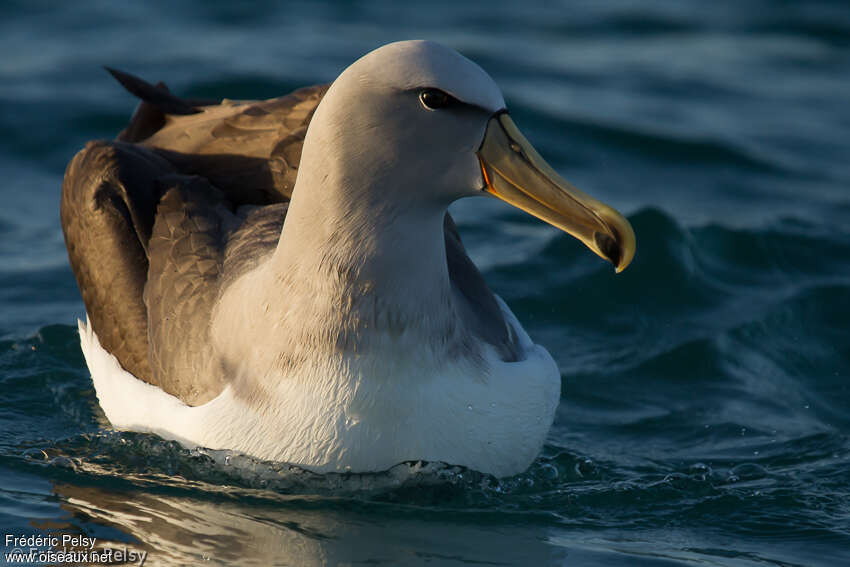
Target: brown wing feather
{"points": [[249, 150], [185, 253], [112, 201], [109, 199]]}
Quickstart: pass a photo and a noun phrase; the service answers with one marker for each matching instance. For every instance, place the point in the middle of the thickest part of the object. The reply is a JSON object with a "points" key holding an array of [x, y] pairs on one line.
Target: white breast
{"points": [[341, 419]]}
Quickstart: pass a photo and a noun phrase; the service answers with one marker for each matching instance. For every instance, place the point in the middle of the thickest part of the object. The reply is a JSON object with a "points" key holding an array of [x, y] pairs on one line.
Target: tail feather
{"points": [[156, 95]]}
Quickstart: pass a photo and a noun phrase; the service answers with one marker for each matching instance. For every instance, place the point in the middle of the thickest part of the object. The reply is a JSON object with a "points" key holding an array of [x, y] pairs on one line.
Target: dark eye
{"points": [[434, 99]]}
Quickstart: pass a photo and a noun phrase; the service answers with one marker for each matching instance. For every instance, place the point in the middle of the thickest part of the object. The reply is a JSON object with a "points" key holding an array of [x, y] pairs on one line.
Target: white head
{"points": [[412, 126], [376, 119]]}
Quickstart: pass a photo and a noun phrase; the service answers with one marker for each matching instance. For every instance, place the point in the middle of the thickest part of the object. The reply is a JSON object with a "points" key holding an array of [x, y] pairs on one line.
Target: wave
{"points": [[657, 144]]}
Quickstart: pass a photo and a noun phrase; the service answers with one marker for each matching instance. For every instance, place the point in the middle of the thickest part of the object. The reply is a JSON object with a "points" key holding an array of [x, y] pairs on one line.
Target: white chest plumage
{"points": [[342, 420]]}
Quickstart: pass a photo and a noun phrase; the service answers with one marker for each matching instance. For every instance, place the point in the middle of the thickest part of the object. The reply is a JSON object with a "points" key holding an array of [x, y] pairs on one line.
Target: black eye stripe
{"points": [[435, 99]]}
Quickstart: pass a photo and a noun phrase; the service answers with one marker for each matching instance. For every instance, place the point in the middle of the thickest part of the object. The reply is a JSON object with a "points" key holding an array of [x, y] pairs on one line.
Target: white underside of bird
{"points": [[410, 410]]}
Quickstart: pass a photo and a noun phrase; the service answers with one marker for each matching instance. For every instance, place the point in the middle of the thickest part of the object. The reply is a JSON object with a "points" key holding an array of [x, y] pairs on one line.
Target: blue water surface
{"points": [[705, 410]]}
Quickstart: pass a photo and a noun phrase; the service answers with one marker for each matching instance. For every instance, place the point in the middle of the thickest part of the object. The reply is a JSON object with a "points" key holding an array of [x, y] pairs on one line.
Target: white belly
{"points": [[494, 423]]}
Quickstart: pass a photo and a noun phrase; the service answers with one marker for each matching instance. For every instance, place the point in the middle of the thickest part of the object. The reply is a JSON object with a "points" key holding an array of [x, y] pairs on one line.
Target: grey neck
{"points": [[362, 269]]}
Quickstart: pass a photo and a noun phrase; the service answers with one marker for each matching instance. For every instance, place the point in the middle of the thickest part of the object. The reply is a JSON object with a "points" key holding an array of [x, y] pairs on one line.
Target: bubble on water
{"points": [[584, 467], [549, 471]]}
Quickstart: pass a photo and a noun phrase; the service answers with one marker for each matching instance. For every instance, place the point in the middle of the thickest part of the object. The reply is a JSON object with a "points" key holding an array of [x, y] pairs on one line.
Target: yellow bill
{"points": [[515, 172]]}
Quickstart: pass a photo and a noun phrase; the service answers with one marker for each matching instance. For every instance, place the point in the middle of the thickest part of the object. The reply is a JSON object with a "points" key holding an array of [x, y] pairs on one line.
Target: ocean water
{"points": [[705, 410]]}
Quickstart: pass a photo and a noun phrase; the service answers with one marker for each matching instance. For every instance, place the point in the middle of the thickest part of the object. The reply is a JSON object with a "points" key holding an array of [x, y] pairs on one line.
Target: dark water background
{"points": [[705, 411]]}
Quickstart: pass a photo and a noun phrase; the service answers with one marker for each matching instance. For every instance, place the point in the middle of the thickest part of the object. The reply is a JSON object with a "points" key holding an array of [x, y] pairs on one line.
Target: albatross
{"points": [[282, 278]]}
